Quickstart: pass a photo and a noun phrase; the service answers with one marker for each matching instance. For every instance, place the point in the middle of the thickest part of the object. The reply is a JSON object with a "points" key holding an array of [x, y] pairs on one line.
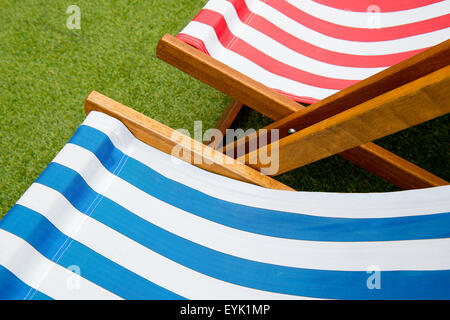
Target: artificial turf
{"points": [[47, 70]]}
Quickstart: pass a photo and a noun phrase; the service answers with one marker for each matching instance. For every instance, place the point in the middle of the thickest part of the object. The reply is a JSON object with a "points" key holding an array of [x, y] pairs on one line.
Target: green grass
{"points": [[46, 71]]}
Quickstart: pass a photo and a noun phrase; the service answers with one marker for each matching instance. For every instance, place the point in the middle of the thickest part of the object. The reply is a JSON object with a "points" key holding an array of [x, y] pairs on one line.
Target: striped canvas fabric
{"points": [[310, 49], [113, 218]]}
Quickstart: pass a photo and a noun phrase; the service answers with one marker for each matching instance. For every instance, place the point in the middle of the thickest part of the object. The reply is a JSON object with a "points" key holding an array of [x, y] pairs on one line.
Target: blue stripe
{"points": [[98, 143], [12, 288], [305, 282], [257, 220], [46, 238], [40, 296], [268, 277], [35, 231]]}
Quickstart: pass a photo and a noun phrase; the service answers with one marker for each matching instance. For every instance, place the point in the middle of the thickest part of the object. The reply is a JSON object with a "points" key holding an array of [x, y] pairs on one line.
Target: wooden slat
{"points": [[226, 120], [400, 74], [412, 177], [408, 70], [161, 137], [370, 156], [413, 103], [220, 76]]}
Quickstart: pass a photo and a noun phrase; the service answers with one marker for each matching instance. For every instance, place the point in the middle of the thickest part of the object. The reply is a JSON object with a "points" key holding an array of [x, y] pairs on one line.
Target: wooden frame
{"points": [[393, 111], [162, 137], [226, 120], [326, 133], [389, 79], [290, 115]]}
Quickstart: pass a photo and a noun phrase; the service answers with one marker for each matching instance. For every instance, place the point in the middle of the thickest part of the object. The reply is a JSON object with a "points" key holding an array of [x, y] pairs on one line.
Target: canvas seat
{"points": [[113, 217]]}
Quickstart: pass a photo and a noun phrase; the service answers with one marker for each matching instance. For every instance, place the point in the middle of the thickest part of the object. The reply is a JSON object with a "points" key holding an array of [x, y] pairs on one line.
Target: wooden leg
{"points": [[391, 167], [369, 156], [225, 121]]}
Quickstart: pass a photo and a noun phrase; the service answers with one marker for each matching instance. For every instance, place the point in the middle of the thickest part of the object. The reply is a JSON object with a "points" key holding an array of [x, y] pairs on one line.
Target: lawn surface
{"points": [[47, 70]]}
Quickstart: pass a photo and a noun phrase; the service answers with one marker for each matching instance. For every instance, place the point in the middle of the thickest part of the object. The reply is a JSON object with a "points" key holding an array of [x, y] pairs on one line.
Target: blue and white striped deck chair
{"points": [[114, 218]]}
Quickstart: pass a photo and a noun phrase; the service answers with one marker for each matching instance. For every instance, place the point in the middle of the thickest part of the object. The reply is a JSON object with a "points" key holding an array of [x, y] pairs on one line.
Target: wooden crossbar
{"points": [[406, 71], [166, 139], [415, 102], [369, 156]]}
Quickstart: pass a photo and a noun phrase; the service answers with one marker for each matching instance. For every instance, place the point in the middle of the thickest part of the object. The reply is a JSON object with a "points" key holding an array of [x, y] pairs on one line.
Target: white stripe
{"points": [[281, 53], [348, 256], [38, 272], [344, 205], [132, 255], [344, 46], [55, 207], [359, 19], [248, 67]]}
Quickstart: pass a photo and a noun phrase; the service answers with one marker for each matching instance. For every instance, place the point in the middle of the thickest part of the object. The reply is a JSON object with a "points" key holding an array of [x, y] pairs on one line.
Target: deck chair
{"points": [[118, 215], [270, 54]]}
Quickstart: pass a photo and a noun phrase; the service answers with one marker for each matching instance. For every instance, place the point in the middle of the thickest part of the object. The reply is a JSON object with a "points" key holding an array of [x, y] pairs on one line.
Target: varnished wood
{"points": [[370, 156], [413, 177], [161, 137], [406, 71], [415, 102], [218, 75], [224, 78], [226, 120], [265, 100]]}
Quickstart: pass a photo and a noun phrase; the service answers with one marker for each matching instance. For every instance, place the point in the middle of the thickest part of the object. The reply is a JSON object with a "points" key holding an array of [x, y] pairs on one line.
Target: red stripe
{"points": [[348, 60], [341, 59], [237, 45], [228, 40], [385, 5], [301, 99], [197, 43], [357, 34]]}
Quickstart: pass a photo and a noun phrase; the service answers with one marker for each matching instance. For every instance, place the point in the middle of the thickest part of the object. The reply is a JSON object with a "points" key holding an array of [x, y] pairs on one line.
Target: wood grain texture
{"points": [[226, 120], [390, 165], [370, 156], [398, 75], [408, 70], [162, 138], [415, 102], [220, 76]]}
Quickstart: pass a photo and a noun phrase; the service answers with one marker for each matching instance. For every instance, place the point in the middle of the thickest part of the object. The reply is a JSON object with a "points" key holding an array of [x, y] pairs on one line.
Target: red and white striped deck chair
{"points": [[270, 54]]}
